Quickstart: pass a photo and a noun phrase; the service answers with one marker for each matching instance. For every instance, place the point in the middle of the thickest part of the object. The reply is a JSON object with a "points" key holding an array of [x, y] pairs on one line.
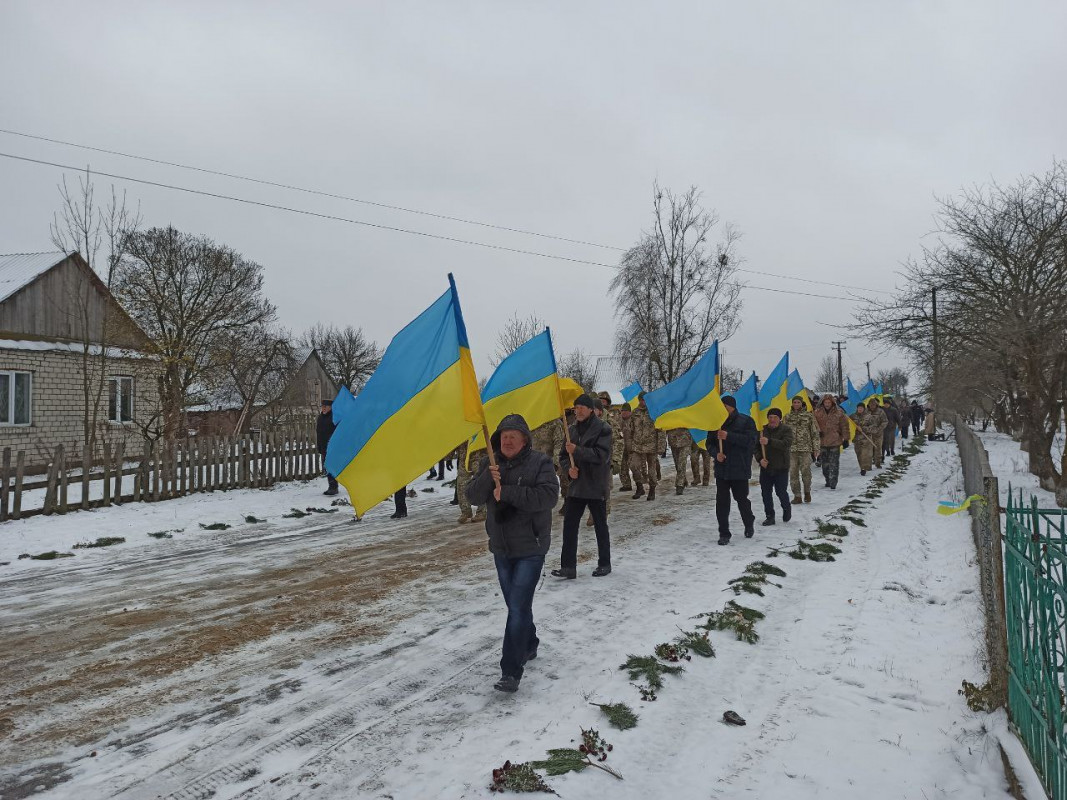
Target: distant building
{"points": [[69, 355], [610, 375], [297, 404]]}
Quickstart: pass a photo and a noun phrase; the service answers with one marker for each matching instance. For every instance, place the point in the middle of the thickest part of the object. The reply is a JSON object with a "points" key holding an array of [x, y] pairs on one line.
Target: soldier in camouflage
{"points": [[602, 409], [700, 460], [624, 430], [548, 439], [644, 447], [805, 447], [463, 477], [681, 442]]}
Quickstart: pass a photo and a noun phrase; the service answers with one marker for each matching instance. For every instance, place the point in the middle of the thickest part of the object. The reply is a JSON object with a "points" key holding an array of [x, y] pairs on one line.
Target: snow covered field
{"points": [[319, 658], [1009, 463]]}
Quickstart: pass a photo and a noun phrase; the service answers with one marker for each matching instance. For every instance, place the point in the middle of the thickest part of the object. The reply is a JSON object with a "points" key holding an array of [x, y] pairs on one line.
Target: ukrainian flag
{"points": [[342, 404], [794, 387], [527, 383], [747, 399], [775, 391], [420, 402], [631, 393], [690, 401], [569, 391], [700, 436]]}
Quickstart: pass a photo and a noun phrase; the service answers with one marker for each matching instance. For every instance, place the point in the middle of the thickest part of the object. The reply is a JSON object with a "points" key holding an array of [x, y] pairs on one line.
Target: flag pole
{"points": [[489, 450]]}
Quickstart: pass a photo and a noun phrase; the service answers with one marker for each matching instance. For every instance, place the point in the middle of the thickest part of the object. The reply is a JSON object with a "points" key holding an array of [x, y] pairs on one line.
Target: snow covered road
{"points": [[332, 660]]}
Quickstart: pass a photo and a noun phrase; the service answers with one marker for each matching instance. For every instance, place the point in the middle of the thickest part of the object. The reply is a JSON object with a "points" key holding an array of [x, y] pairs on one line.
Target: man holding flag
{"points": [[733, 469]]}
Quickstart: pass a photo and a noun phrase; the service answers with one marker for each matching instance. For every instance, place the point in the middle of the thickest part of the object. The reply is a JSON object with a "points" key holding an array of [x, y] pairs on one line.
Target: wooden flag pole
{"points": [[567, 436], [489, 450]]}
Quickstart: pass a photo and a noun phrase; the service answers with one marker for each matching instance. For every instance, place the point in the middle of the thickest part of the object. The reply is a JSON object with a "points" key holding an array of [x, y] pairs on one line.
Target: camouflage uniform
{"points": [[548, 439], [463, 477], [700, 457], [806, 443], [681, 442], [867, 433], [879, 422], [644, 444]]}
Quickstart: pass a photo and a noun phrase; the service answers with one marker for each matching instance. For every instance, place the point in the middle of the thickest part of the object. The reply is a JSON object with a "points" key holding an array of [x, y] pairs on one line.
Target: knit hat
{"points": [[327, 402], [776, 411], [729, 401], [584, 400]]}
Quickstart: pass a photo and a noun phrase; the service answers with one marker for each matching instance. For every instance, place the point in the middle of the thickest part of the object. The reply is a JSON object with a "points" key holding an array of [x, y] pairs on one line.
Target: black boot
{"points": [[679, 489], [768, 521], [787, 514], [602, 570], [565, 572], [640, 492], [652, 492], [750, 532], [724, 540]]}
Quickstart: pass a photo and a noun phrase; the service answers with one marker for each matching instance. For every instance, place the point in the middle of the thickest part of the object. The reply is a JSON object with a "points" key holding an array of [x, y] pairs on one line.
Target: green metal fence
{"points": [[1035, 567]]}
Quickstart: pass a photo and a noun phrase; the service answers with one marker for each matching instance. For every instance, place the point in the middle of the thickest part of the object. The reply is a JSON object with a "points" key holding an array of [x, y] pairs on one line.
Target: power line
{"points": [[406, 210], [394, 229], [305, 190]]}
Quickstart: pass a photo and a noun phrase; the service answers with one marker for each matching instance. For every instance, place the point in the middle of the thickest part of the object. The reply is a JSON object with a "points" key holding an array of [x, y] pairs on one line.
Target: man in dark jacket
{"points": [[324, 428], [733, 468], [520, 493], [776, 444], [590, 446], [889, 435], [916, 416]]}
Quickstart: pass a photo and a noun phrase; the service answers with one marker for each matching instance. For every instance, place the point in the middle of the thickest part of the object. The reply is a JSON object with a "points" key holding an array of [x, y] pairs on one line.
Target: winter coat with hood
{"points": [[779, 446], [740, 442], [324, 429], [520, 525], [833, 424], [592, 457]]}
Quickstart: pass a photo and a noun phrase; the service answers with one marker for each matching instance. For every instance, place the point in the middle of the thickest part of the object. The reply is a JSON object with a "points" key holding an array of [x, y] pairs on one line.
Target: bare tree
{"points": [[347, 354], [998, 341], [255, 367], [578, 366], [674, 294], [187, 291], [99, 235], [893, 381], [516, 332], [826, 379]]}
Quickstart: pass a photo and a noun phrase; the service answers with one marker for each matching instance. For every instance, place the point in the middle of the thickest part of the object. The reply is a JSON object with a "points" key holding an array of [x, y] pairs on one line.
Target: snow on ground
{"points": [[850, 692], [1010, 465], [182, 518]]}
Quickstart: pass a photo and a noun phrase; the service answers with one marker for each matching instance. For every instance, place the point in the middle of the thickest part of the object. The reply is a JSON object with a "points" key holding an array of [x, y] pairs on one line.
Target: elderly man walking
{"points": [[324, 429], [520, 493], [590, 447]]}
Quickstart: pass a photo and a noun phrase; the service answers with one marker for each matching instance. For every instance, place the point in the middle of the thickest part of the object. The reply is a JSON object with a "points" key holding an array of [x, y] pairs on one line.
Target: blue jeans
{"points": [[518, 580]]}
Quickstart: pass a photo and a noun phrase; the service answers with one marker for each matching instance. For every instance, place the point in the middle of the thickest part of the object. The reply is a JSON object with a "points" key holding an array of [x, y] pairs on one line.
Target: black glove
{"points": [[845, 445]]}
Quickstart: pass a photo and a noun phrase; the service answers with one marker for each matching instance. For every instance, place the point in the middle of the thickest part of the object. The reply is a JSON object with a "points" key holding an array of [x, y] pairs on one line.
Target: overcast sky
{"points": [[822, 130]]}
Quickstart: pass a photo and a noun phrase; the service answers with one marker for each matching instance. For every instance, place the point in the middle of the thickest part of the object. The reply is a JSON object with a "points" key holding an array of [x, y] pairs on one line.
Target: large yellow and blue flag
{"points": [[700, 437], [795, 387], [691, 400], [631, 393], [526, 383], [417, 406], [774, 393], [342, 404], [747, 398]]}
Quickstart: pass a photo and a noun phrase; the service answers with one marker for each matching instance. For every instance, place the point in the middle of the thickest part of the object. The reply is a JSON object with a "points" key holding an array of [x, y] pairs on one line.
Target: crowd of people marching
{"points": [[516, 492]]}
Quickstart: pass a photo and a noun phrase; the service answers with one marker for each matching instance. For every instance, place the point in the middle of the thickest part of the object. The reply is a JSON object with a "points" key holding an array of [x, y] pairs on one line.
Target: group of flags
{"points": [[423, 399]]}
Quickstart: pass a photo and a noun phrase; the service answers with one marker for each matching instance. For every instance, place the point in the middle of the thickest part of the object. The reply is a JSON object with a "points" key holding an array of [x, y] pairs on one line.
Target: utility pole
{"points": [[840, 369], [868, 363]]}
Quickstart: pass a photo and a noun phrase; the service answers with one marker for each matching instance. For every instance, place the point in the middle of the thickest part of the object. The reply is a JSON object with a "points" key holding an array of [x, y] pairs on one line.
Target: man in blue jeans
{"points": [[519, 494]]}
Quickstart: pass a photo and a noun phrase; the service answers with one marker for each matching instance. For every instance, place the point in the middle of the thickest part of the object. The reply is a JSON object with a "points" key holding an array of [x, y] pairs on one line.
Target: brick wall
{"points": [[57, 409]]}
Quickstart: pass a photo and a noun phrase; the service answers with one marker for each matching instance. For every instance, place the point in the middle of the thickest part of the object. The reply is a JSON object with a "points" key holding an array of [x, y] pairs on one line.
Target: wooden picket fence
{"points": [[165, 469]]}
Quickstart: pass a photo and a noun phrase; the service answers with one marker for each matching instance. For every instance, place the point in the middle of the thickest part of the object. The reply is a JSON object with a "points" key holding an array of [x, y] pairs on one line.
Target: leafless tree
{"points": [[826, 379], [347, 354], [254, 367], [578, 366], [99, 234], [516, 332], [186, 292], [675, 293], [999, 270], [893, 381]]}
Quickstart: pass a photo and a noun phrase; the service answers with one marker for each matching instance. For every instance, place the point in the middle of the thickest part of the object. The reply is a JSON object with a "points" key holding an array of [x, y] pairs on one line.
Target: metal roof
{"points": [[20, 269]]}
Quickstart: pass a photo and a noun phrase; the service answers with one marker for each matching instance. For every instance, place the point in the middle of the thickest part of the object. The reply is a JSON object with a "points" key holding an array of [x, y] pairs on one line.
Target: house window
{"points": [[120, 400], [15, 389]]}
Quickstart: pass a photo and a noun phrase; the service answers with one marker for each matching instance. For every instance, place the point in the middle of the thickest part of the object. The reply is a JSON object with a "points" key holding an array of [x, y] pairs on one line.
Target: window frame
{"points": [[118, 399], [12, 381]]}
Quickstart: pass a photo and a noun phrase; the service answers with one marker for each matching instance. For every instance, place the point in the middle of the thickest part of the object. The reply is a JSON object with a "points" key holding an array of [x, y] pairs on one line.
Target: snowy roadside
{"points": [[851, 690], [1010, 465], [178, 523]]}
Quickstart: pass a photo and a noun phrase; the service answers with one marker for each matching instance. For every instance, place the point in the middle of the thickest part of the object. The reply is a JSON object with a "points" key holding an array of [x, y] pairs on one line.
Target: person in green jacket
{"points": [[776, 445]]}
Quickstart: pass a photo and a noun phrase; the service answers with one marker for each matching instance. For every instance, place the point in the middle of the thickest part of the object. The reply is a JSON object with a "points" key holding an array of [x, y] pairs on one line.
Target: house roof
{"points": [[20, 269]]}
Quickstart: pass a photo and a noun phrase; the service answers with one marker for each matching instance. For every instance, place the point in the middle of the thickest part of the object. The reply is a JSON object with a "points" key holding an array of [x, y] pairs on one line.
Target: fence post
{"points": [[87, 468], [53, 481], [63, 484], [5, 474], [120, 459], [107, 474], [157, 466], [20, 467]]}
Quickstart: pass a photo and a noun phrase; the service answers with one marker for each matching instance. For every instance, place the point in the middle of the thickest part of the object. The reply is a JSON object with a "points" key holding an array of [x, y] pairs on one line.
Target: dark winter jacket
{"points": [[324, 428], [738, 447], [520, 525], [592, 457], [779, 446], [893, 416], [916, 415]]}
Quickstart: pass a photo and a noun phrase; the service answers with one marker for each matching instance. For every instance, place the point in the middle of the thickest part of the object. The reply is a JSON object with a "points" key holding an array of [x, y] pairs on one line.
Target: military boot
{"points": [[652, 491], [640, 492], [679, 489]]}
